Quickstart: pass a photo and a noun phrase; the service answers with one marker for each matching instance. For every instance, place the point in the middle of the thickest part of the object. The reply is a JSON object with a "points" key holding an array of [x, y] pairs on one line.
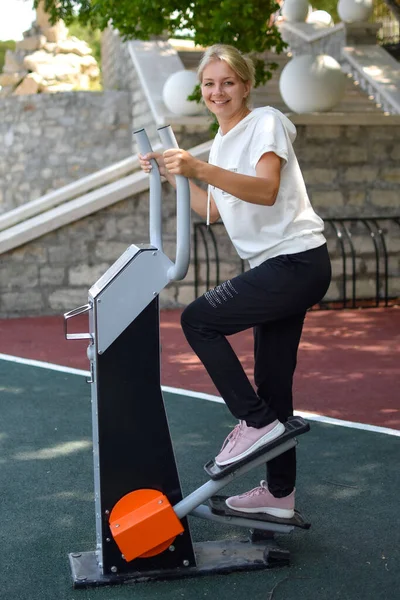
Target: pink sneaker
{"points": [[244, 440], [260, 500]]}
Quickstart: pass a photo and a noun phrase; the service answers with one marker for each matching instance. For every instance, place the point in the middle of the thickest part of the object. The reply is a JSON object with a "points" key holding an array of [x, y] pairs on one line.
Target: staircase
{"points": [[355, 100]]}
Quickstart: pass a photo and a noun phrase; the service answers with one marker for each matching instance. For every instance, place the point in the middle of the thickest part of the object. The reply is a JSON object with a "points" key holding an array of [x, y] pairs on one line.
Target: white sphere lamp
{"points": [[312, 83], [320, 17], [176, 89], [352, 11], [295, 11]]}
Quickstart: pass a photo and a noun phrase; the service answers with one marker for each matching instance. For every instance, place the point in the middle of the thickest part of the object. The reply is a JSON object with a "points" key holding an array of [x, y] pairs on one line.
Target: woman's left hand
{"points": [[180, 162]]}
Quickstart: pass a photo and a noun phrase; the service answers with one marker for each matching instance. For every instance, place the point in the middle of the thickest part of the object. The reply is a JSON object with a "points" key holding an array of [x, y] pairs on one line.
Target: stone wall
{"points": [[47, 141], [53, 274], [350, 171]]}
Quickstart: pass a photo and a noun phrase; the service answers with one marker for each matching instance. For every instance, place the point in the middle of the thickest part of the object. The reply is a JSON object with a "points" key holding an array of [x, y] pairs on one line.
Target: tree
{"points": [[245, 24], [394, 7], [4, 46], [89, 35]]}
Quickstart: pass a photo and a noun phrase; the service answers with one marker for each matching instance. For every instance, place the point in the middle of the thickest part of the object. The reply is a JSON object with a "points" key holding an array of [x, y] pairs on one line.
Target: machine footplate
{"points": [[225, 556], [293, 427], [218, 507]]}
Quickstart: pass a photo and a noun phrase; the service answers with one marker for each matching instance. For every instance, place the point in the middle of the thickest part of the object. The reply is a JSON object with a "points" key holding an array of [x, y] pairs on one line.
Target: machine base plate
{"points": [[211, 558]]}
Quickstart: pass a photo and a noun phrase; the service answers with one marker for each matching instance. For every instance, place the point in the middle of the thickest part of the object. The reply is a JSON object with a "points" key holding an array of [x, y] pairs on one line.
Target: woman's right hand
{"points": [[145, 165]]}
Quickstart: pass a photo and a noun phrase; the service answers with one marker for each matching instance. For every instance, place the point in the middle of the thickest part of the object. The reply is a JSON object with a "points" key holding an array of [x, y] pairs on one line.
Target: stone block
{"points": [[86, 275], [185, 294], [28, 253], [361, 174], [387, 198], [391, 175], [351, 154], [318, 175], [13, 62], [18, 275], [395, 154], [67, 298], [52, 276], [34, 42], [109, 251], [12, 79], [329, 132], [356, 198], [14, 304], [380, 152], [383, 133], [168, 296], [314, 153], [67, 253], [29, 85], [327, 199]]}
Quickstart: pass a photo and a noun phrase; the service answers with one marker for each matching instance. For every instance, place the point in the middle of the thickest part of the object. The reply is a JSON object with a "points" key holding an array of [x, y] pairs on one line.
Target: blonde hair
{"points": [[241, 65]]}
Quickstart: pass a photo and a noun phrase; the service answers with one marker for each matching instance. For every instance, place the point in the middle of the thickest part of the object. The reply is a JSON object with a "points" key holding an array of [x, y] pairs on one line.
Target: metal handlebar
{"points": [[144, 146], [181, 265]]}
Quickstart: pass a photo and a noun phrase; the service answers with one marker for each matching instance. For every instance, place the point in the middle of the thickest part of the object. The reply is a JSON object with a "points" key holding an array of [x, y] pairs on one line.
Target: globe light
{"points": [[351, 11], [312, 83], [176, 89]]}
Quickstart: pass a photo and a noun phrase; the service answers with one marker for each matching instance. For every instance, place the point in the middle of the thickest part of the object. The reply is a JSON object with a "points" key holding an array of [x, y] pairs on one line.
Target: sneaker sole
{"points": [[281, 513], [266, 439]]}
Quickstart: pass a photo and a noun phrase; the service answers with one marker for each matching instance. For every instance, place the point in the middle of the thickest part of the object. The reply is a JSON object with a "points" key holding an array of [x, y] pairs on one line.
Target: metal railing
{"points": [[349, 240]]}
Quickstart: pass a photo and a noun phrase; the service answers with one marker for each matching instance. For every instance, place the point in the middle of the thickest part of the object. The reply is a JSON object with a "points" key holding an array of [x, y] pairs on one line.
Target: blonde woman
{"points": [[256, 187]]}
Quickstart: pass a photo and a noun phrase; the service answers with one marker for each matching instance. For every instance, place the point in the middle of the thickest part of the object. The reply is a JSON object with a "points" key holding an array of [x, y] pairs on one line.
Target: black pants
{"points": [[273, 299]]}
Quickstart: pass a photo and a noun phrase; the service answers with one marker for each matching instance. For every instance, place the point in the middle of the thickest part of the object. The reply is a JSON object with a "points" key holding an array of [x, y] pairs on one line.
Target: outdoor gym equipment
{"points": [[142, 531]]}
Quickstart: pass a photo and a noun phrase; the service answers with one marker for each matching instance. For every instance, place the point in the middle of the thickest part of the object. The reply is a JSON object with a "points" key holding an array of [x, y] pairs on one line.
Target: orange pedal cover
{"points": [[143, 524]]}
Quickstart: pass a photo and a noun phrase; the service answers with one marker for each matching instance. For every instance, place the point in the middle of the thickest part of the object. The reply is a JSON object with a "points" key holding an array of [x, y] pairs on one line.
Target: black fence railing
{"points": [[364, 251]]}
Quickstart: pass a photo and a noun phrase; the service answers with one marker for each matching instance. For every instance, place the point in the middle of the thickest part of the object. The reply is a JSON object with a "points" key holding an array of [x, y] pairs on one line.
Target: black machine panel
{"points": [[135, 447]]}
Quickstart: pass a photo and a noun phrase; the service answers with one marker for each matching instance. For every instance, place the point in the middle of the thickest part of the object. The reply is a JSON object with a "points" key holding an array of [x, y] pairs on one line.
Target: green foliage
{"points": [[329, 5], [91, 36], [245, 24], [4, 46]]}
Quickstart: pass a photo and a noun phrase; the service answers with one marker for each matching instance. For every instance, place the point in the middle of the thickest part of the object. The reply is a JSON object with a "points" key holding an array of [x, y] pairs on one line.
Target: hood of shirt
{"points": [[288, 125]]}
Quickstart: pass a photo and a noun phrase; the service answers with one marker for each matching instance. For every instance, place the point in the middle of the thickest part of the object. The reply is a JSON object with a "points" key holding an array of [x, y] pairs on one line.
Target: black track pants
{"points": [[273, 299]]}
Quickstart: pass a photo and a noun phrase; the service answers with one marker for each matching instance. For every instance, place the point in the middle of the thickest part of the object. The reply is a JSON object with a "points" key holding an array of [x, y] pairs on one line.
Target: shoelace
{"points": [[256, 491], [233, 436]]}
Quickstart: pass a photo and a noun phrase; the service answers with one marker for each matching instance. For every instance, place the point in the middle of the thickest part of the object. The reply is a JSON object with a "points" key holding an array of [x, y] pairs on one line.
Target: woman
{"points": [[256, 187]]}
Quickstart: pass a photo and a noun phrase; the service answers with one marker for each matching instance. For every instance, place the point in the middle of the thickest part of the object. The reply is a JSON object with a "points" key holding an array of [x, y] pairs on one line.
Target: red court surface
{"points": [[348, 364]]}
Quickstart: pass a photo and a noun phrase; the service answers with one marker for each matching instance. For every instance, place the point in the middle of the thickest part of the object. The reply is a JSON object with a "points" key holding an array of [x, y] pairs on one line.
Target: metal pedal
{"points": [[294, 426], [218, 506]]}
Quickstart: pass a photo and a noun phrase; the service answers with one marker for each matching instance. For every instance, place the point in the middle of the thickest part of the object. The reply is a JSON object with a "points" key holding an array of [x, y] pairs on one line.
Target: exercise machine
{"points": [[142, 530]]}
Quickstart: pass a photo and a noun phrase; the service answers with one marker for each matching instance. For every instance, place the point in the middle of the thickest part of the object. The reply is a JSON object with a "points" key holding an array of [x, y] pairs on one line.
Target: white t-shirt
{"points": [[260, 232]]}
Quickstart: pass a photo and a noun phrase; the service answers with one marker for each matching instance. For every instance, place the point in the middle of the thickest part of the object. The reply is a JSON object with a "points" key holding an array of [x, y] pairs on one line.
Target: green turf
{"points": [[348, 487]]}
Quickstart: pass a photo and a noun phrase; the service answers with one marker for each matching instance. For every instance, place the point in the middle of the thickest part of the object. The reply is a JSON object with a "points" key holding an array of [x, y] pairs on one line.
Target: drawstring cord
{"points": [[208, 206]]}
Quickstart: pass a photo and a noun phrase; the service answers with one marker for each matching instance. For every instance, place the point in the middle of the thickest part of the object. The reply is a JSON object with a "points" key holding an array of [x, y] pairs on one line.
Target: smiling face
{"points": [[224, 93]]}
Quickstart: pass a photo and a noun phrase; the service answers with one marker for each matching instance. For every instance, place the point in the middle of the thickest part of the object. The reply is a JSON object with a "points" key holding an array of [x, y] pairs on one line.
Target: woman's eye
{"points": [[228, 82]]}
